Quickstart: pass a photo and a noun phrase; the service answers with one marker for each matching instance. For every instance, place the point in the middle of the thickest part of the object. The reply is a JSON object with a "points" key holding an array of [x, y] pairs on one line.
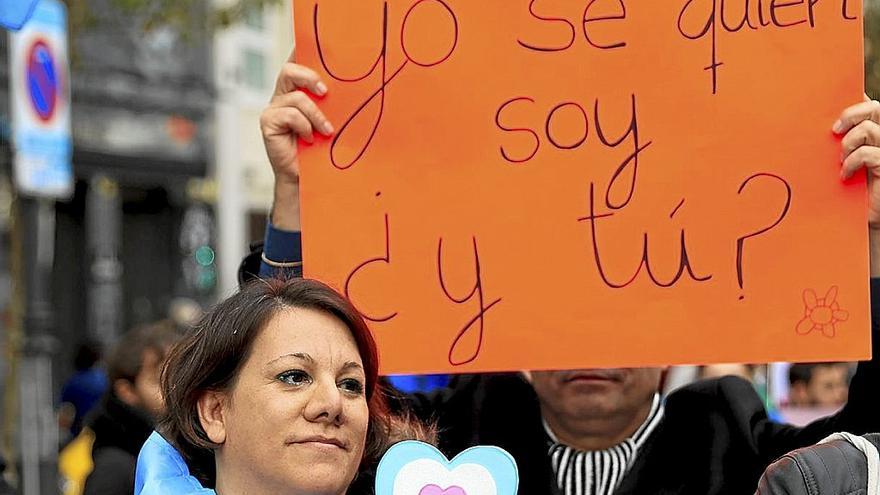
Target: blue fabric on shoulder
{"points": [[162, 471]]}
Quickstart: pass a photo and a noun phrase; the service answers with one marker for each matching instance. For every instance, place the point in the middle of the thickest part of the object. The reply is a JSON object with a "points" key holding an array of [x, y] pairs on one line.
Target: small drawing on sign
{"points": [[821, 315]]}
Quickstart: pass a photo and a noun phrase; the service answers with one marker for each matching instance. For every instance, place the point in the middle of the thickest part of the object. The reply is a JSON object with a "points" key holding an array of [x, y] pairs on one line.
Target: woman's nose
{"points": [[325, 403]]}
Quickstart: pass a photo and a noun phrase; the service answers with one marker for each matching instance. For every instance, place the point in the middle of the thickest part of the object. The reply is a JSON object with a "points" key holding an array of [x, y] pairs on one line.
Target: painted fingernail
{"points": [[837, 127], [321, 88]]}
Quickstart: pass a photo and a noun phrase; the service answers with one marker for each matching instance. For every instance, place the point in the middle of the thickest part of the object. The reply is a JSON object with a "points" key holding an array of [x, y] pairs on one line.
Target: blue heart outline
{"points": [[497, 461]]}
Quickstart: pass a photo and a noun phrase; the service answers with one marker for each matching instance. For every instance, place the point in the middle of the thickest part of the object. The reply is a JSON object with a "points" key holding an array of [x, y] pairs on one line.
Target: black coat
{"points": [[828, 469], [120, 431]]}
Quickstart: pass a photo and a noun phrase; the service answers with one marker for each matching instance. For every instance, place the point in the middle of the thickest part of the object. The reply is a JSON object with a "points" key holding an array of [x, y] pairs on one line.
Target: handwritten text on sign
{"points": [[544, 184]]}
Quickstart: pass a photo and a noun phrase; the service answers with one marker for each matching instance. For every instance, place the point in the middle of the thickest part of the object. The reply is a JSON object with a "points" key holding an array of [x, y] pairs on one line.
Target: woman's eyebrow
{"points": [[297, 355], [351, 365]]}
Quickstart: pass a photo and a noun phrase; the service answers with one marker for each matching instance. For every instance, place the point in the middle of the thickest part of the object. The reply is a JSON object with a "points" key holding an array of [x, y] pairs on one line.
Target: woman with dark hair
{"points": [[274, 391]]}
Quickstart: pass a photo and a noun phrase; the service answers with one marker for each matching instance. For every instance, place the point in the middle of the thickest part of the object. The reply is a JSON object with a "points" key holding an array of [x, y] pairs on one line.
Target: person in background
{"points": [[82, 391], [823, 385], [102, 459]]}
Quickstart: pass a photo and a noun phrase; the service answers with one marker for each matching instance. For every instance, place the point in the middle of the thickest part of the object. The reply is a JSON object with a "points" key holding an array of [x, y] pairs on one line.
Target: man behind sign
{"points": [[594, 431]]}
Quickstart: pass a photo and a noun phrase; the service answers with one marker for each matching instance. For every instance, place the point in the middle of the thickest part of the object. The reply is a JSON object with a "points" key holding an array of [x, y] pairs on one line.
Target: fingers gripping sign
{"points": [[859, 126], [293, 114]]}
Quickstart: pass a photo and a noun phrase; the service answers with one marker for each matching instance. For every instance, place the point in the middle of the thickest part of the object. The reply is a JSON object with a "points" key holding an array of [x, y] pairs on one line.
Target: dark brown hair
{"points": [[127, 358], [210, 357]]}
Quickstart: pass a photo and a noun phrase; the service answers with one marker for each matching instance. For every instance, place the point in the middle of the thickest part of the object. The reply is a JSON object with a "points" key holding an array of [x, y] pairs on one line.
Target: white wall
{"points": [[247, 59]]}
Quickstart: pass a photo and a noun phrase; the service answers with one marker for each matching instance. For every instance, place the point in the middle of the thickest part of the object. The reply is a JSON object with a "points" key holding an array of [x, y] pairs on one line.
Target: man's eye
{"points": [[295, 377], [352, 386]]}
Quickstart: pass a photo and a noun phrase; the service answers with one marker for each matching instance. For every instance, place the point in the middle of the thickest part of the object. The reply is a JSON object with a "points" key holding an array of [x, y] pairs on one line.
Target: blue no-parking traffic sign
{"points": [[42, 80], [39, 83]]}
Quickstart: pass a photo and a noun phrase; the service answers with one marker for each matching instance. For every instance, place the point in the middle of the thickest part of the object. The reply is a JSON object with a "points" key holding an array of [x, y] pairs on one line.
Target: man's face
{"points": [[146, 385], [595, 394], [828, 386]]}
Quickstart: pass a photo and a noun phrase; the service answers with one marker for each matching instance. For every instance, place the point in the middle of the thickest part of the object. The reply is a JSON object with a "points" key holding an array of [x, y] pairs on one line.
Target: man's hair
{"points": [[127, 358], [804, 372]]}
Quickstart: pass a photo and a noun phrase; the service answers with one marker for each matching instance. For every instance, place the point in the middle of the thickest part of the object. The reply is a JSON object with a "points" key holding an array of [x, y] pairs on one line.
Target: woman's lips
{"points": [[321, 442]]}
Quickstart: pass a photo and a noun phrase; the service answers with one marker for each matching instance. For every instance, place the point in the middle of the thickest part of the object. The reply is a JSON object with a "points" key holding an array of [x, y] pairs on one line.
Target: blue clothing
{"points": [[281, 246], [419, 383], [162, 471], [84, 390]]}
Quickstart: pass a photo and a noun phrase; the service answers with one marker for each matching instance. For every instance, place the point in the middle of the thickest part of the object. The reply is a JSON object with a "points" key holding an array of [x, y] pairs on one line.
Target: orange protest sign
{"points": [[544, 184]]}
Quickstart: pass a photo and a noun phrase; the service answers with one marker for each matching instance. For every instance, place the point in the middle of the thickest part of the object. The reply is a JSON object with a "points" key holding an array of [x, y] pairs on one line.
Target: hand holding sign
{"points": [[493, 206], [860, 127], [292, 114]]}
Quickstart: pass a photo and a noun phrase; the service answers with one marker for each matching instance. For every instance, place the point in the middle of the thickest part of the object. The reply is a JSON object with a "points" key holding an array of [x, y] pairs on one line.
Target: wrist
{"points": [[285, 180], [285, 206]]}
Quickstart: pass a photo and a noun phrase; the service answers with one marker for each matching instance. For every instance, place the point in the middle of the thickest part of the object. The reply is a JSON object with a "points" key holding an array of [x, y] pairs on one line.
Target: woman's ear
{"points": [[212, 409]]}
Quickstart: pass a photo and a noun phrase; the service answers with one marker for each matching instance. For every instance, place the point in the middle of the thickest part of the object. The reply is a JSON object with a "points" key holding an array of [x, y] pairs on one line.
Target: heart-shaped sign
{"points": [[14, 13], [416, 468]]}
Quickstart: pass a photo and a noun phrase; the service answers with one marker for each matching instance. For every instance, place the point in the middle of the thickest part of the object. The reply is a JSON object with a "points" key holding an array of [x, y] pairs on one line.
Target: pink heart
{"points": [[436, 490]]}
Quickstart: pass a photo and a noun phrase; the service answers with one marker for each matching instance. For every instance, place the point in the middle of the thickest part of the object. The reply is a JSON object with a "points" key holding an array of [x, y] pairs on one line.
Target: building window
{"points": [[254, 69]]}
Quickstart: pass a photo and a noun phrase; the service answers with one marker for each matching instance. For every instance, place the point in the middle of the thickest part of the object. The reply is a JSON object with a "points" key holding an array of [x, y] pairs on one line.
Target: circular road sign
{"points": [[42, 80]]}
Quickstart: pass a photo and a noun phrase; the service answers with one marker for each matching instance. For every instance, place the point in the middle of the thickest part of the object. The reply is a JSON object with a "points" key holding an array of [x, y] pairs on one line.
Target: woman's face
{"points": [[295, 420]]}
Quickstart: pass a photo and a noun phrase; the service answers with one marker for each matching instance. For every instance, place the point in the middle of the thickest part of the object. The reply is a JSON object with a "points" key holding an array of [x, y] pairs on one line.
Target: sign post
{"points": [[42, 151]]}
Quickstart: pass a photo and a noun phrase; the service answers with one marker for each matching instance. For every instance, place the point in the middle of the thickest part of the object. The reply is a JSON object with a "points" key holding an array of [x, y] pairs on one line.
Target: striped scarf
{"points": [[599, 472]]}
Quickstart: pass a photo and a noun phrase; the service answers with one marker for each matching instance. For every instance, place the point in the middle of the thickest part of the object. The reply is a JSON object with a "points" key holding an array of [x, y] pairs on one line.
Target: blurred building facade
{"points": [[139, 229], [142, 132], [168, 163], [248, 58]]}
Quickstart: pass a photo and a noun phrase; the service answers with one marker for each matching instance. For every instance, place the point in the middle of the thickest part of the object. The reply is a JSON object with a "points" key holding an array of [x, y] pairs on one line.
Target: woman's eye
{"points": [[295, 377], [352, 386]]}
